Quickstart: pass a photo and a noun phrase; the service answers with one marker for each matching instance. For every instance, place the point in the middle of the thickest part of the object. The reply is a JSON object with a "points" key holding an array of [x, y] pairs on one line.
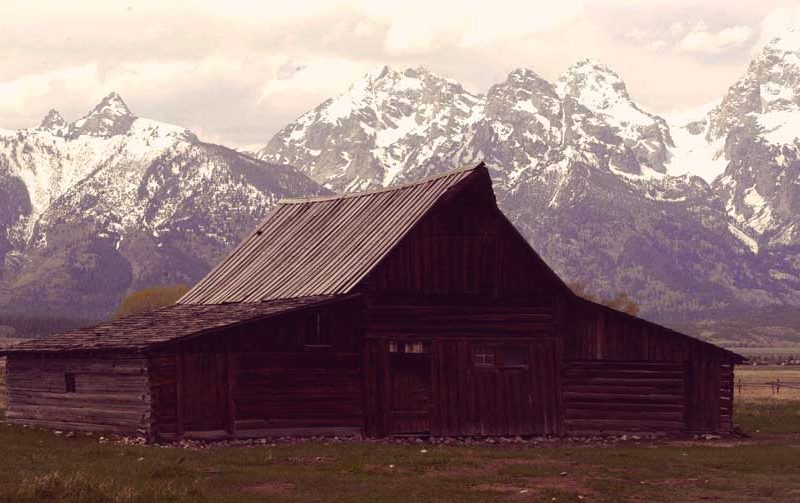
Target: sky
{"points": [[235, 72]]}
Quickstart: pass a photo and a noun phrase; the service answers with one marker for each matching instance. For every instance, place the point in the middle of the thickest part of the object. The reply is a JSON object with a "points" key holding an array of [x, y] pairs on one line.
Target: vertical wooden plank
{"points": [[230, 424], [178, 389]]}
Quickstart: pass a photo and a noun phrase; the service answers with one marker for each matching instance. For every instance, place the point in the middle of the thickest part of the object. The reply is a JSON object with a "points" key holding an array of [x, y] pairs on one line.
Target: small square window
{"points": [[483, 357], [69, 383]]}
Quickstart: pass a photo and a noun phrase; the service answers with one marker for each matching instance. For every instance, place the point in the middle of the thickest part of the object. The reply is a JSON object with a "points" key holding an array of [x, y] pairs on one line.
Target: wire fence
{"points": [[775, 386]]}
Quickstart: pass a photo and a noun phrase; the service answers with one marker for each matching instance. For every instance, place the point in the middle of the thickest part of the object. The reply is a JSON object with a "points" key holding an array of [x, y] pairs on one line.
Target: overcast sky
{"points": [[236, 72]]}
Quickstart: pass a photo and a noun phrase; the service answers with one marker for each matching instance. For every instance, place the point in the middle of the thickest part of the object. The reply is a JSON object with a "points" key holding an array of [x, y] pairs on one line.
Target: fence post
{"points": [[778, 386], [740, 386]]}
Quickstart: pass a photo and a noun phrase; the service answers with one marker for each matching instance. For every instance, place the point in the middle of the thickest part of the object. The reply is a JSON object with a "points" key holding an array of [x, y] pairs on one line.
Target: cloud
{"points": [[238, 74], [701, 40]]}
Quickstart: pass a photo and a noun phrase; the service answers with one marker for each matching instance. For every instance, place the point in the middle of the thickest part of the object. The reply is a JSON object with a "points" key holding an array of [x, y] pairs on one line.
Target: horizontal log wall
{"points": [[608, 397], [298, 390], [111, 393], [596, 333]]}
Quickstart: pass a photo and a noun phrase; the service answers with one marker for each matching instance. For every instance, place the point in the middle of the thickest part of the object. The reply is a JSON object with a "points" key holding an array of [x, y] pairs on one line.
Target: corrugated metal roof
{"points": [[321, 246], [143, 330]]}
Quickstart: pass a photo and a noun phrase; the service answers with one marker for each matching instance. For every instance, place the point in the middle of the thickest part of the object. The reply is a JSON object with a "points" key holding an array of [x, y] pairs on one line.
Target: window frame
{"points": [[496, 357], [70, 385]]}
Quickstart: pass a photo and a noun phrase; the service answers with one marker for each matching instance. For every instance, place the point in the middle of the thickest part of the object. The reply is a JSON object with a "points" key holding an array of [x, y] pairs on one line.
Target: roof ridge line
{"points": [[427, 179]]}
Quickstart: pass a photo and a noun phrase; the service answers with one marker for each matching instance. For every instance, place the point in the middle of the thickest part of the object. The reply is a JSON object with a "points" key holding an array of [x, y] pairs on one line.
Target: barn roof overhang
{"points": [[724, 353], [142, 332]]}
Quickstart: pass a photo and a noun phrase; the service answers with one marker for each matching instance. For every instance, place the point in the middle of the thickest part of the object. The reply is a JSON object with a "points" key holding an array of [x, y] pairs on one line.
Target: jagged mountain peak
{"points": [[593, 84], [526, 76], [112, 105], [108, 118], [418, 78], [54, 123]]}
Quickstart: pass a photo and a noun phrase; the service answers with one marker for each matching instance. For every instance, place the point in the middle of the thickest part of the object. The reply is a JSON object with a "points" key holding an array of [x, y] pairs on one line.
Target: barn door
{"points": [[409, 388], [204, 394], [500, 383]]}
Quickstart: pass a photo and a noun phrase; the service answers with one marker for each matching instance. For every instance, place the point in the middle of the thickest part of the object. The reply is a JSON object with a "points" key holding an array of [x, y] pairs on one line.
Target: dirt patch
{"points": [[317, 460], [385, 469], [269, 488], [566, 484], [537, 486], [494, 466]]}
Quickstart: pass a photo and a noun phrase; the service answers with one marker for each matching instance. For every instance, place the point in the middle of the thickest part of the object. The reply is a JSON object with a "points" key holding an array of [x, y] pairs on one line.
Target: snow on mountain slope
{"points": [[113, 201], [759, 122], [392, 119], [605, 190]]}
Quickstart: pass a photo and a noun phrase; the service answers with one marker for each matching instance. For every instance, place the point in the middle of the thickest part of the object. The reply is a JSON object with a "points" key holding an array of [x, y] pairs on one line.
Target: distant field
{"points": [[755, 382], [768, 350]]}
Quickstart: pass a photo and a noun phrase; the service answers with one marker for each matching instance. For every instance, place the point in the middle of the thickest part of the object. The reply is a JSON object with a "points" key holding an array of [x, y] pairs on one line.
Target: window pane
{"points": [[483, 357], [416, 347]]}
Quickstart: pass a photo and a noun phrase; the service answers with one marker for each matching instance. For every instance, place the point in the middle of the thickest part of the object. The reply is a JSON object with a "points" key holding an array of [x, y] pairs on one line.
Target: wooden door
{"points": [[204, 391], [409, 390], [502, 401]]}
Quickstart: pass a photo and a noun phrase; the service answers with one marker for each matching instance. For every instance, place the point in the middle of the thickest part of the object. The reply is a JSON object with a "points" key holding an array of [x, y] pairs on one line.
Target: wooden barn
{"points": [[414, 310]]}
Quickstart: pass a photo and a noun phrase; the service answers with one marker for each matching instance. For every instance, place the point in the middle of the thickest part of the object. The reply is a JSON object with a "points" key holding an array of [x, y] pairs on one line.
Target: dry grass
{"points": [[763, 375]]}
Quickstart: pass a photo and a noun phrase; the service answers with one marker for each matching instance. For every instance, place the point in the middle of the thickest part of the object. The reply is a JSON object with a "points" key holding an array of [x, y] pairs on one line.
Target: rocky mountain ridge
{"points": [[695, 219], [113, 202]]}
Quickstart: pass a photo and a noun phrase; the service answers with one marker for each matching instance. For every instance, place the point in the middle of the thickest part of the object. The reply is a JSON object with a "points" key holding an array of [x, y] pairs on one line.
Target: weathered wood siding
{"points": [[613, 397], [301, 372], [614, 362], [462, 281], [465, 248], [450, 394], [111, 392]]}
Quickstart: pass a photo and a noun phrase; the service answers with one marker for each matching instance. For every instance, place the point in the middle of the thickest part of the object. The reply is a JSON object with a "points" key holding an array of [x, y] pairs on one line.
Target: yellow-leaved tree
{"points": [[148, 299], [620, 302]]}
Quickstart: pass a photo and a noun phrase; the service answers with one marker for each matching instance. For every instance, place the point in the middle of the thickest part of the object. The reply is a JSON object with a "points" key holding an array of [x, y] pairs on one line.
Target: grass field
{"points": [[40, 466]]}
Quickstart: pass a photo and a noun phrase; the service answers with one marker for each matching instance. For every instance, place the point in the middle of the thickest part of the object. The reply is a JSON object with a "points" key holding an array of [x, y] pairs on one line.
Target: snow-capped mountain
{"points": [[383, 123], [692, 217], [686, 217], [113, 202]]}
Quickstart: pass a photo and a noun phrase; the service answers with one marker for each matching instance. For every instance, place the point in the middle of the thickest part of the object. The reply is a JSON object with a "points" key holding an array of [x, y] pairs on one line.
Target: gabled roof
{"points": [[322, 246], [178, 321]]}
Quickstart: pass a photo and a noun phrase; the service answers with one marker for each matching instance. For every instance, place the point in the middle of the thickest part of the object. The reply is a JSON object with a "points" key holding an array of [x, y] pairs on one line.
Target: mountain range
{"points": [[698, 220], [112, 202]]}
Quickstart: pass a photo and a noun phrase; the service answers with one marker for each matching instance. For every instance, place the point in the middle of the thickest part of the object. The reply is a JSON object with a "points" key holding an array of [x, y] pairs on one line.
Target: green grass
{"points": [[38, 466], [768, 416]]}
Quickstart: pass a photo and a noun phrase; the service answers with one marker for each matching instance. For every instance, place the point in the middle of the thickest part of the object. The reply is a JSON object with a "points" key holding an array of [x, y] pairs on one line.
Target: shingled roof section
{"points": [[144, 330], [322, 246]]}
